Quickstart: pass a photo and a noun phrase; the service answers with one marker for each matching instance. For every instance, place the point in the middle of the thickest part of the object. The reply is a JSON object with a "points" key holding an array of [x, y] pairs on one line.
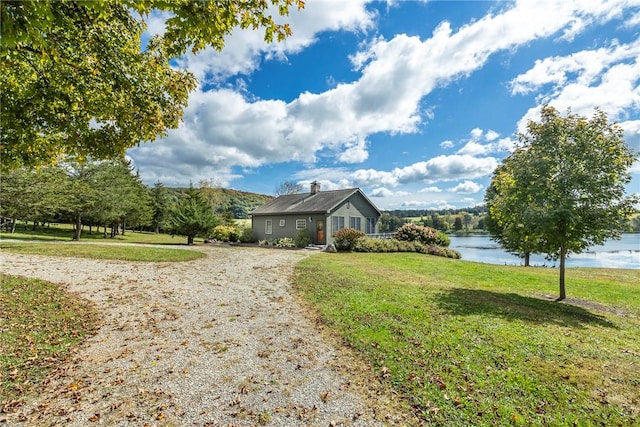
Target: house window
{"points": [[337, 223], [370, 225], [268, 226], [355, 222], [301, 224], [282, 222]]}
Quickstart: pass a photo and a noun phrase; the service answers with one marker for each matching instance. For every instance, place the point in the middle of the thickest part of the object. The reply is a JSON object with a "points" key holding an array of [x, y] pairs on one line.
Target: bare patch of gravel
{"points": [[218, 341]]}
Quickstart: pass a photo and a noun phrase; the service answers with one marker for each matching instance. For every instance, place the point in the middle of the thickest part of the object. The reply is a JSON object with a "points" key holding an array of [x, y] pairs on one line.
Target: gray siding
{"points": [[278, 231], [354, 207]]}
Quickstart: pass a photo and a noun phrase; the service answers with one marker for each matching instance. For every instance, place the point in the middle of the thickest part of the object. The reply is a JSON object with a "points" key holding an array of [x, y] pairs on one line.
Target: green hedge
{"points": [[366, 244]]}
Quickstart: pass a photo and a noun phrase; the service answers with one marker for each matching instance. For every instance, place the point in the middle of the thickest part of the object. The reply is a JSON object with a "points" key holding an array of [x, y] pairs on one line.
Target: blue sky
{"points": [[414, 102]]}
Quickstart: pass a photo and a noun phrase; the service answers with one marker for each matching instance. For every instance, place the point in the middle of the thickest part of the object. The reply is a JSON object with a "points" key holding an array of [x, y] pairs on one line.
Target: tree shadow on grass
{"points": [[510, 306]]}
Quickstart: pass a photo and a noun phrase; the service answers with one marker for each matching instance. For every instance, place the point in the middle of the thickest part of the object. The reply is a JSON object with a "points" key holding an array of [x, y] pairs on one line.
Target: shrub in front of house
{"points": [[366, 244], [286, 242], [418, 233], [345, 238], [247, 235], [302, 239]]}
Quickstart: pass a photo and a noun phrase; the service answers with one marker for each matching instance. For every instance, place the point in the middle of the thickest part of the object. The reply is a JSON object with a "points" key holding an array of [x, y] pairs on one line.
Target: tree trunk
{"points": [[189, 240], [78, 227], [13, 225], [527, 256], [563, 256], [123, 227], [157, 228]]}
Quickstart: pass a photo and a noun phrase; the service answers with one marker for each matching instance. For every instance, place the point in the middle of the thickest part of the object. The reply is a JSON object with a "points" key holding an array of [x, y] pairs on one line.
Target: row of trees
{"points": [[107, 194]]}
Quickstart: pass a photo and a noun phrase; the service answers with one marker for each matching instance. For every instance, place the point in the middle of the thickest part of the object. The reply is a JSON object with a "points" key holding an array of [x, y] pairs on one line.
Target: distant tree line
{"points": [[446, 220]]}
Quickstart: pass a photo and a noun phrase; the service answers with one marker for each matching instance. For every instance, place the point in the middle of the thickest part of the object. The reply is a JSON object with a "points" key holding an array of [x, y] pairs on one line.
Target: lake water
{"points": [[623, 253]]}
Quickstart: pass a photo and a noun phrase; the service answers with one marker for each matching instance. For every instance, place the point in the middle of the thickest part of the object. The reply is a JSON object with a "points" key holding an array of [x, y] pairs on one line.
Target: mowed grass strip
{"points": [[41, 324], [475, 344], [64, 232], [94, 251]]}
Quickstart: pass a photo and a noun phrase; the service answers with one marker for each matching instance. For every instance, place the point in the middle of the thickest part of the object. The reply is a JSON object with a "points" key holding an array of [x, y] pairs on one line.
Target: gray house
{"points": [[321, 212]]}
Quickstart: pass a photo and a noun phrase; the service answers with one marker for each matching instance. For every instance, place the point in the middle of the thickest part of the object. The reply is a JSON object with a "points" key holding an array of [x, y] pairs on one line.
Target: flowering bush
{"points": [[286, 242], [345, 238], [417, 233]]}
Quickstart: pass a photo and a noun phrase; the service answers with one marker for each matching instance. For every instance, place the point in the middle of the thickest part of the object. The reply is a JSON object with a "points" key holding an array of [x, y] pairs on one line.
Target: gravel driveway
{"points": [[219, 341]]}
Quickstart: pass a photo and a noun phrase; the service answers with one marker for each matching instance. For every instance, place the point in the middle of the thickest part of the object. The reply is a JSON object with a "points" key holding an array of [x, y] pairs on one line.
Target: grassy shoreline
{"points": [[465, 343]]}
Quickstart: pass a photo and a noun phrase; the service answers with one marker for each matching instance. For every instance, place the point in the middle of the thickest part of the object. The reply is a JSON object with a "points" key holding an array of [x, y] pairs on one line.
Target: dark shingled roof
{"points": [[320, 202]]}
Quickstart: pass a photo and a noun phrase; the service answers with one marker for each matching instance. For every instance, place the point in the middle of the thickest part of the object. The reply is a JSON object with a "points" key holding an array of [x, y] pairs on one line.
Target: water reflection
{"points": [[623, 253]]}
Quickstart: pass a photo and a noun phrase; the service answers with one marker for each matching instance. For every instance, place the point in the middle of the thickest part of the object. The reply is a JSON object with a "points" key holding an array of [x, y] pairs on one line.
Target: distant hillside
{"points": [[239, 203]]}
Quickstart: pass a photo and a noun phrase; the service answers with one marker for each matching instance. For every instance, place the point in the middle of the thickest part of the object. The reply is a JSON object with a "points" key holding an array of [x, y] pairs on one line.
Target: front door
{"points": [[320, 232]]}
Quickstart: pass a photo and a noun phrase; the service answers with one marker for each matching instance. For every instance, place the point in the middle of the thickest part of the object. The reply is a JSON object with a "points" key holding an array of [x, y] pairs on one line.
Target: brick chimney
{"points": [[315, 187]]}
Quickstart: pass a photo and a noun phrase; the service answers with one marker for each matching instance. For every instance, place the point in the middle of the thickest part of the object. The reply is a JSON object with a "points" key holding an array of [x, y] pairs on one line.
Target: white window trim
{"points": [[370, 225], [268, 226], [303, 222], [355, 219], [335, 220], [282, 223]]}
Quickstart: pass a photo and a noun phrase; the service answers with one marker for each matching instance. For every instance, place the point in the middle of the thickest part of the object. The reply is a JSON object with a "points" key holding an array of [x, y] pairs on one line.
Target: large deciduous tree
{"points": [[506, 208], [75, 81], [563, 189]]}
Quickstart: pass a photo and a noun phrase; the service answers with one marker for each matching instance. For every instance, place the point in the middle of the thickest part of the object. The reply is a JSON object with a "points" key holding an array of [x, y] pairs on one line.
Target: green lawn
{"points": [[41, 324], [124, 253], [47, 242], [466, 343], [65, 232]]}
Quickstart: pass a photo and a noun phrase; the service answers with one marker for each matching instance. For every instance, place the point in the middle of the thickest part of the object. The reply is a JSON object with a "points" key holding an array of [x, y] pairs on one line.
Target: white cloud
{"points": [[156, 23], [476, 134], [631, 130], [437, 169], [467, 187], [244, 49], [355, 152], [414, 204], [446, 168], [224, 129], [474, 148], [633, 21], [608, 78], [385, 192], [491, 135], [435, 204], [430, 190], [446, 144], [381, 192], [589, 66]]}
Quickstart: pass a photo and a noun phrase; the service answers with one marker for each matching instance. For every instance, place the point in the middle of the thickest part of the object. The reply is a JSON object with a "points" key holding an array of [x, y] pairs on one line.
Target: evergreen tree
{"points": [[192, 216]]}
